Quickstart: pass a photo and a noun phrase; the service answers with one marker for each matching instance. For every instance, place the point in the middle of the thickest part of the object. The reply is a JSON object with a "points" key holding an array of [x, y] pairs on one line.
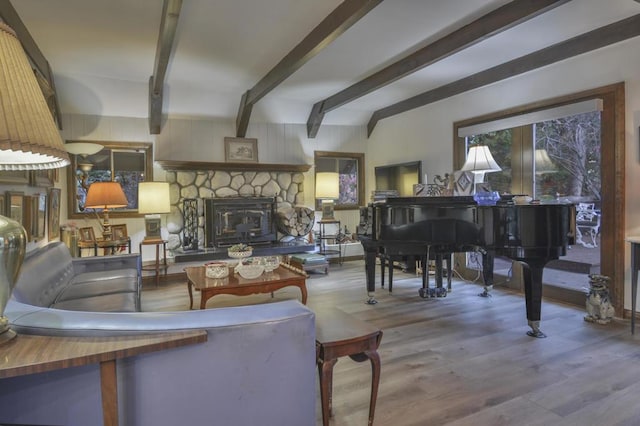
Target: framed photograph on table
{"points": [[240, 150], [87, 235], [119, 232], [53, 218]]}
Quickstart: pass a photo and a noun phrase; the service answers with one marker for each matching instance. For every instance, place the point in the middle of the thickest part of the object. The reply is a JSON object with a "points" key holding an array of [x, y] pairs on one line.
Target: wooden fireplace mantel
{"points": [[256, 167]]}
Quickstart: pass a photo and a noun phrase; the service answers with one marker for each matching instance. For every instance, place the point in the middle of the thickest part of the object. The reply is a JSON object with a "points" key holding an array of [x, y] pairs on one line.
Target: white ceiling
{"points": [[102, 52]]}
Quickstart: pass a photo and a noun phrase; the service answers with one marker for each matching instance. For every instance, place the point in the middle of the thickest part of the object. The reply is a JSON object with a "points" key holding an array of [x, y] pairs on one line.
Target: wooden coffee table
{"points": [[268, 282]]}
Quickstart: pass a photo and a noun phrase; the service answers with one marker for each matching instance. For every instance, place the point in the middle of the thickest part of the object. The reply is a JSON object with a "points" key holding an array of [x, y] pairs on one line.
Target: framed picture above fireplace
{"points": [[240, 150]]}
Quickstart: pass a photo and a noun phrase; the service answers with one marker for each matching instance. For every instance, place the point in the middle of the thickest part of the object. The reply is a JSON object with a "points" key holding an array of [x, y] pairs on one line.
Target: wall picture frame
{"points": [[42, 178], [240, 150], [20, 177], [40, 204], [15, 205], [28, 216], [53, 216]]}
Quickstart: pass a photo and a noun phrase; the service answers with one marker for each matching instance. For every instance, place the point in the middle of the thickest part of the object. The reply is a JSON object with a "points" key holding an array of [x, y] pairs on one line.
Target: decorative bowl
{"points": [[240, 254], [250, 272], [522, 199], [216, 270], [270, 263]]}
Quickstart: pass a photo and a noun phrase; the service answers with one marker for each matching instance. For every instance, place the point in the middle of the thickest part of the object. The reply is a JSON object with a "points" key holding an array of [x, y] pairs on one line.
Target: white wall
{"points": [[203, 140], [426, 133]]}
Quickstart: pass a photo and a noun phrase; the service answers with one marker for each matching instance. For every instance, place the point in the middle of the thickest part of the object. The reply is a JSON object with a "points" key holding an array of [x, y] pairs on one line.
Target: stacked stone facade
{"points": [[287, 187]]}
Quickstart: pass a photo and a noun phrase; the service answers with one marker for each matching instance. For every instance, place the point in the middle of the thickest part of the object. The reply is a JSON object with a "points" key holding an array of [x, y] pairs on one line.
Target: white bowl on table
{"points": [[216, 270], [251, 271]]}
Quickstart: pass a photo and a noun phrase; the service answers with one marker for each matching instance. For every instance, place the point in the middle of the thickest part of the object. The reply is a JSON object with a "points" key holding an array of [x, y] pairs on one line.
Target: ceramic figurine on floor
{"points": [[598, 304]]}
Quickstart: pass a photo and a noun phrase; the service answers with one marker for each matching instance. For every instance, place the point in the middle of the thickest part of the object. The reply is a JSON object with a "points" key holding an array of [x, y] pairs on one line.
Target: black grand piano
{"points": [[422, 226]]}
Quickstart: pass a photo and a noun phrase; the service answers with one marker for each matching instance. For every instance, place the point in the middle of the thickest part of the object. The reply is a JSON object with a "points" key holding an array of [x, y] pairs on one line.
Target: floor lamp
{"points": [[29, 140]]}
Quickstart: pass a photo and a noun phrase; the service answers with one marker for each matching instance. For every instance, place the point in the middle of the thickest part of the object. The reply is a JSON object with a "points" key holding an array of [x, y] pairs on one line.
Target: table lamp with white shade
{"points": [[543, 162], [29, 140], [480, 161], [153, 199], [327, 189]]}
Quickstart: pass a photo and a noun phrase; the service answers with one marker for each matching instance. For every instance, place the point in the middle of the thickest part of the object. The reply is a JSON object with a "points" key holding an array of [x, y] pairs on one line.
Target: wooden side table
{"points": [[29, 354], [339, 334], [157, 264]]}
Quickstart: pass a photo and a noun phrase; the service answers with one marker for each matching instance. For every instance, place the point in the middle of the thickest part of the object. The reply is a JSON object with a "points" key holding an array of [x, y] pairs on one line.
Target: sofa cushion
{"points": [[92, 284], [116, 302], [44, 273]]}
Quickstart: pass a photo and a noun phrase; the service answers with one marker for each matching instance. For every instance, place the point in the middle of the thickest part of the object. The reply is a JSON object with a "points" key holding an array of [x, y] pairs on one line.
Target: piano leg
{"points": [[449, 272], [487, 273], [370, 272], [532, 276]]}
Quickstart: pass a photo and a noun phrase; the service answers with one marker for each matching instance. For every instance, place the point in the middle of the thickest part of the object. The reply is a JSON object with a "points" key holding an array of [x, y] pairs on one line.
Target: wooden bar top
{"points": [[29, 354]]}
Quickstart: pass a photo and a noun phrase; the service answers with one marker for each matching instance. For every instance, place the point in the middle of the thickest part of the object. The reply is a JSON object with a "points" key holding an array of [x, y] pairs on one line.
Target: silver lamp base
{"points": [[7, 334], [13, 242]]}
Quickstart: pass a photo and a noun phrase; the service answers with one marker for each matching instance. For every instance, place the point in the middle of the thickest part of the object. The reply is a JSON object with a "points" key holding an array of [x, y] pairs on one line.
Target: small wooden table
{"points": [[157, 265], [29, 354], [268, 282], [339, 334]]}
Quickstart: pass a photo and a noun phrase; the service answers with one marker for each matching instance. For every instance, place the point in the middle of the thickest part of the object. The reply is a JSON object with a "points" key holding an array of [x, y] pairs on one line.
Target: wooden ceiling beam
{"points": [[587, 42], [331, 27], [492, 23], [168, 25]]}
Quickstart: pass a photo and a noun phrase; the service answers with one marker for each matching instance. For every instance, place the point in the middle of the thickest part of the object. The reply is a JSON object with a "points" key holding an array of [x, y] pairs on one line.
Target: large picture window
{"points": [[128, 163], [350, 169]]}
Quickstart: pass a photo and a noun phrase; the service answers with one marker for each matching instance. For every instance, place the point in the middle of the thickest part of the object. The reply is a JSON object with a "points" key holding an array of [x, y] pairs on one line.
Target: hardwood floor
{"points": [[463, 359]]}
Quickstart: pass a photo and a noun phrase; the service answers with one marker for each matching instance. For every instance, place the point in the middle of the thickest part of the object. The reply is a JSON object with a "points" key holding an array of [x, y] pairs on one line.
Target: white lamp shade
{"points": [[543, 162], [480, 160], [327, 185], [153, 198], [82, 148]]}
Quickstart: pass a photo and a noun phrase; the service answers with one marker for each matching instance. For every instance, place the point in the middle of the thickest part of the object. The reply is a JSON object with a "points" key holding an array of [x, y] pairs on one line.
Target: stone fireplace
{"points": [[285, 187]]}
